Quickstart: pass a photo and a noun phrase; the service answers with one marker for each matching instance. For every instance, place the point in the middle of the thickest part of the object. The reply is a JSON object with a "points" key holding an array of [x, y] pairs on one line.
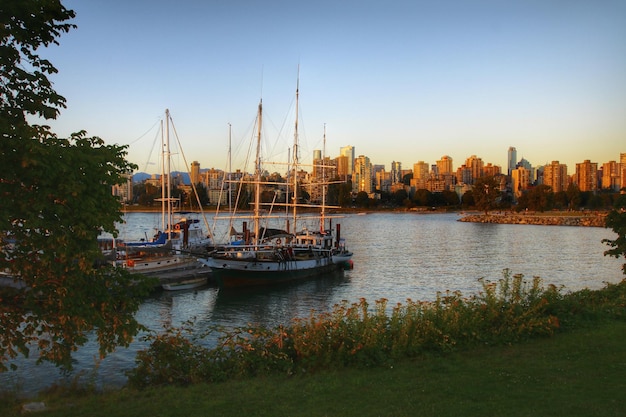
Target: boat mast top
{"points": [[163, 225], [295, 159], [230, 169], [322, 220], [168, 179], [257, 188]]}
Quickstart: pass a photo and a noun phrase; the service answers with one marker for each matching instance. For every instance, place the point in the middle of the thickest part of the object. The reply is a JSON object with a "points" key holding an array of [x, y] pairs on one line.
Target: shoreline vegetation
{"points": [[457, 355]]}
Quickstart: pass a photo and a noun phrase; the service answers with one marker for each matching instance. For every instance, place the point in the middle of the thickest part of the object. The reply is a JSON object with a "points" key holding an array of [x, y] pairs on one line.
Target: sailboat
{"points": [[263, 255], [168, 255]]}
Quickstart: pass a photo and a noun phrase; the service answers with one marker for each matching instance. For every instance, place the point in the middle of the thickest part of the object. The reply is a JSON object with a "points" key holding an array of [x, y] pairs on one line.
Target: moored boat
{"points": [[174, 247], [263, 256]]}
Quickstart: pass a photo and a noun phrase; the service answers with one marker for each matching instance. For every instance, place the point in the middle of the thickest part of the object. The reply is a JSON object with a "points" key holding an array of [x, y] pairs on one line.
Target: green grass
{"points": [[579, 373], [513, 349]]}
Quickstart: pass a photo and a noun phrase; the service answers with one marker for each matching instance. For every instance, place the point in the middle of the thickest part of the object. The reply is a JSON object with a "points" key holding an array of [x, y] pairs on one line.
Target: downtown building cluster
{"points": [[374, 179]]}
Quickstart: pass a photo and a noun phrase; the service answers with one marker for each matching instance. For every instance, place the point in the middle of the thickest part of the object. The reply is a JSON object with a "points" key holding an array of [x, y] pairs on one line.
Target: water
{"points": [[396, 256]]}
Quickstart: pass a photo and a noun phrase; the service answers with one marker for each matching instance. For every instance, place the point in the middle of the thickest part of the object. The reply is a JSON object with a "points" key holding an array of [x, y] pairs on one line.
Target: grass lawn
{"points": [[579, 373]]}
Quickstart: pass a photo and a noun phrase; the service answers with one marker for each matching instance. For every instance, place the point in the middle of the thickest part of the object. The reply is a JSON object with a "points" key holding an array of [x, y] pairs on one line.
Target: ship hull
{"points": [[253, 272]]}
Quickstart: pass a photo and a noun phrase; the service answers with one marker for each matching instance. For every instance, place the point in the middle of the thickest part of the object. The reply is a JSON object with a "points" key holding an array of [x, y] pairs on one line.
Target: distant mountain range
{"points": [[142, 176]]}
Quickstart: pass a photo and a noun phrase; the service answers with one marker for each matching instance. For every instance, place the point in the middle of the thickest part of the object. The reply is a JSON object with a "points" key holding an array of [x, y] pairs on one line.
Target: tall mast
{"points": [[322, 220], [169, 168], [230, 169], [163, 192], [257, 188], [287, 182], [295, 158]]}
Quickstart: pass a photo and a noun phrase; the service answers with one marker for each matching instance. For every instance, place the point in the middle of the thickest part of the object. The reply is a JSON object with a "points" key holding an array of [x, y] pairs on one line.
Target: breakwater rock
{"points": [[593, 220]]}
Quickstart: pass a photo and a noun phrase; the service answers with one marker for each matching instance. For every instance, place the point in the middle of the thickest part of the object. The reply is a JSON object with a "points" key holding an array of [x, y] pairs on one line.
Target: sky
{"points": [[402, 81]]}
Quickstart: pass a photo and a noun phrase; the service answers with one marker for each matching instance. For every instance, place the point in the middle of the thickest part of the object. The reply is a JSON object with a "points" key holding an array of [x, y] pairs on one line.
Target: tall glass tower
{"points": [[512, 160], [349, 152]]}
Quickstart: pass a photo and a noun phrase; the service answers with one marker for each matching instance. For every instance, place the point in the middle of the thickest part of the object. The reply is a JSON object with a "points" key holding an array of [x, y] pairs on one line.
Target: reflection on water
{"points": [[396, 256]]}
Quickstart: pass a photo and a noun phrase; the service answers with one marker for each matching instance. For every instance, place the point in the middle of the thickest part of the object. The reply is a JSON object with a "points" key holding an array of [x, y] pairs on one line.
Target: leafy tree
{"points": [[57, 198], [146, 193], [345, 194], [423, 197], [436, 199], [362, 199], [450, 198], [332, 194], [573, 196], [267, 196], [616, 220], [560, 200], [486, 191], [399, 197], [243, 196], [537, 198], [467, 200], [203, 196]]}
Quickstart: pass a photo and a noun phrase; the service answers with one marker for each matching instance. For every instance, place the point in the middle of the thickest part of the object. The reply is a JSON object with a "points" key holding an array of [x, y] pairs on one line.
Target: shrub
{"points": [[358, 334]]}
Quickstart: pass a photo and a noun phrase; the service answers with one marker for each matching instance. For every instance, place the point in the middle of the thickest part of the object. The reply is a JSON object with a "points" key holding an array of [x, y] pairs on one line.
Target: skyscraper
{"points": [[587, 175], [420, 170], [195, 172], [362, 177], [555, 175], [520, 179], [445, 165], [512, 160], [476, 165], [622, 161], [396, 172], [611, 172], [348, 151]]}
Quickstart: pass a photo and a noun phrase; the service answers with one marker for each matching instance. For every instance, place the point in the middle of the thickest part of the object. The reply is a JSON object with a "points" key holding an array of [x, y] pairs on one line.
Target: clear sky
{"points": [[400, 81]]}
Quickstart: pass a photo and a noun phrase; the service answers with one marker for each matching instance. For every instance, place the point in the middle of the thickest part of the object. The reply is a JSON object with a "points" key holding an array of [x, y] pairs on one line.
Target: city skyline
{"points": [[403, 80], [408, 166]]}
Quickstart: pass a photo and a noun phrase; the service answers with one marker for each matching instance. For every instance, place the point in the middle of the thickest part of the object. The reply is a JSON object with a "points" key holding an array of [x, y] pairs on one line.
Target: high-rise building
{"points": [[511, 160], [342, 167], [420, 170], [525, 164], [348, 151], [475, 164], [611, 173], [622, 161], [194, 172], [396, 172], [382, 180], [491, 170], [124, 191], [520, 179], [420, 175], [586, 176], [362, 176], [464, 175], [555, 176], [324, 170], [213, 181], [444, 165]]}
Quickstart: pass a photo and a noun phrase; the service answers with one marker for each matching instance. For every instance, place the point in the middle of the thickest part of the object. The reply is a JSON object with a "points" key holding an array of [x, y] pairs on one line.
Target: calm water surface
{"points": [[396, 256]]}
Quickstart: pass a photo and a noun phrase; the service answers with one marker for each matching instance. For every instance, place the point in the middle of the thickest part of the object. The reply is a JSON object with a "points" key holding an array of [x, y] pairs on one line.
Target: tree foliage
{"points": [[616, 220], [362, 200], [486, 191], [56, 199]]}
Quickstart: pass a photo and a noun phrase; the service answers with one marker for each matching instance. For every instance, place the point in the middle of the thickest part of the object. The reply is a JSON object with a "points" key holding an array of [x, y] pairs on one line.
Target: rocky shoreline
{"points": [[591, 220]]}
